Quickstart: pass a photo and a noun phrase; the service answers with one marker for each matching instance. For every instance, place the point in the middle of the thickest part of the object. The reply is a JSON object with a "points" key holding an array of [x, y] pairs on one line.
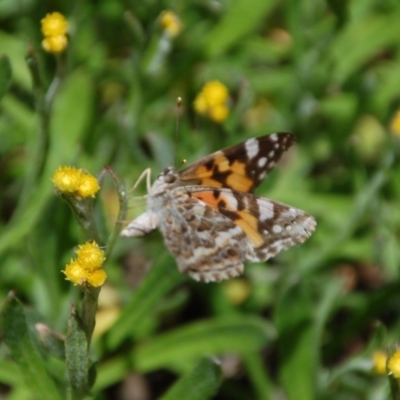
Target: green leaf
{"points": [[15, 48], [243, 17], [76, 356], [255, 367], [23, 350], [70, 118], [298, 344], [361, 40], [238, 334], [5, 75], [201, 383], [157, 283]]}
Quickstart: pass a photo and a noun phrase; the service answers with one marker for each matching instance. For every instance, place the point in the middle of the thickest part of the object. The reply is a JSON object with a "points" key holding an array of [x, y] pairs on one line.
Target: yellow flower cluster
{"points": [[170, 23], [75, 181], [54, 29], [87, 267], [212, 101]]}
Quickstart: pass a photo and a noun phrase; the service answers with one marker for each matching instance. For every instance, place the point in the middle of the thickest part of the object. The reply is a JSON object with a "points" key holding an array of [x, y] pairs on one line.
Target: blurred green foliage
{"points": [[310, 320]]}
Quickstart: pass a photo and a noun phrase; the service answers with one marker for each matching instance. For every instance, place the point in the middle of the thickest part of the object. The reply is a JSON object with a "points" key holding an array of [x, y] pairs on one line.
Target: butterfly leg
{"points": [[146, 222], [145, 174]]}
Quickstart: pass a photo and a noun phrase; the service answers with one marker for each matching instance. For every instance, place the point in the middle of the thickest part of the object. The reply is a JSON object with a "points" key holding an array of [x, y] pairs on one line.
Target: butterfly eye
{"points": [[169, 178], [169, 175]]}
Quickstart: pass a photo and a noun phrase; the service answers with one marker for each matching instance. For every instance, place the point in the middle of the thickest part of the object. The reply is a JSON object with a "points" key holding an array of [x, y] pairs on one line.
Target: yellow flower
{"points": [[55, 44], [67, 179], [86, 268], [395, 123], [89, 186], [79, 275], [379, 361], [75, 181], [90, 256], [170, 23], [54, 29], [219, 113], [393, 365], [212, 101], [215, 93], [75, 273], [54, 24], [97, 277]]}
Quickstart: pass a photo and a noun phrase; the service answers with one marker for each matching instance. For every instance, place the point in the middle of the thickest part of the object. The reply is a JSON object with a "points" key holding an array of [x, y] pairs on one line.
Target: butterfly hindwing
{"points": [[269, 226]]}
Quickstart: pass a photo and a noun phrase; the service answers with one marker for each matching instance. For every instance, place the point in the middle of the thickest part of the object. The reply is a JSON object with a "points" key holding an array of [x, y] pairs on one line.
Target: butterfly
{"points": [[209, 217]]}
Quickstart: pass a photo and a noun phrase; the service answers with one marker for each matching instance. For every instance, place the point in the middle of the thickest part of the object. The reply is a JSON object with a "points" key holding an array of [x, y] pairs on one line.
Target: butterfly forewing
{"points": [[240, 168]]}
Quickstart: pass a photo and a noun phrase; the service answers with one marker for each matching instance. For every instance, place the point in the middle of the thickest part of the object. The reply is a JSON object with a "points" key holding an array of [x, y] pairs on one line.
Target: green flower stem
{"points": [[88, 311], [56, 83], [83, 211]]}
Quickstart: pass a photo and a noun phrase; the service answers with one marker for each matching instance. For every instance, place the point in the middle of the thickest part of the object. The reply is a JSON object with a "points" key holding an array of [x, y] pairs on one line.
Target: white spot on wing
{"points": [[252, 148], [273, 137], [262, 161], [277, 229], [266, 209], [231, 202]]}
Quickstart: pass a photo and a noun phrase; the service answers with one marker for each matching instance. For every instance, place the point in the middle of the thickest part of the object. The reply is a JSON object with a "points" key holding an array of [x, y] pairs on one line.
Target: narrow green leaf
{"points": [[5, 74], [15, 47], [243, 17], [76, 357], [160, 280], [70, 118], [201, 383], [23, 350], [238, 334], [298, 344], [258, 375]]}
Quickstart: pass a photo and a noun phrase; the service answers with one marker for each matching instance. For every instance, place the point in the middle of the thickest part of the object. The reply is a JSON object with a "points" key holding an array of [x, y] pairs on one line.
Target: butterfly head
{"points": [[164, 180]]}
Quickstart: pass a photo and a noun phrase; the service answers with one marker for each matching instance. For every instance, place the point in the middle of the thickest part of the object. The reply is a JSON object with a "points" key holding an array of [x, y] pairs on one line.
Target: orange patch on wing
{"points": [[222, 163], [239, 183], [249, 225], [211, 182], [208, 198], [202, 171]]}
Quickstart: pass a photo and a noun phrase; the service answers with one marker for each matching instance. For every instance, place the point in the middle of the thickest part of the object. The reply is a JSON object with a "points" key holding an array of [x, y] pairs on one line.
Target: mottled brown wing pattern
{"points": [[269, 226], [240, 168], [207, 245]]}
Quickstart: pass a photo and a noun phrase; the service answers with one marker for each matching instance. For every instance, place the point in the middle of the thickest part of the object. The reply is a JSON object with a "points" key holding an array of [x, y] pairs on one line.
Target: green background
{"points": [[310, 319]]}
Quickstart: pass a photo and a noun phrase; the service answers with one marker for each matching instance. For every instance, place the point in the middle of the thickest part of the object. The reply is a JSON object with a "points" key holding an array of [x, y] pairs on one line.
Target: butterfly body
{"points": [[209, 218]]}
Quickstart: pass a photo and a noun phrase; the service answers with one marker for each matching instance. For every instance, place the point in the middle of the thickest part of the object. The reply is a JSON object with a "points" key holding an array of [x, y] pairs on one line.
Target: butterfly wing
{"points": [[212, 231], [240, 168], [207, 245], [269, 226]]}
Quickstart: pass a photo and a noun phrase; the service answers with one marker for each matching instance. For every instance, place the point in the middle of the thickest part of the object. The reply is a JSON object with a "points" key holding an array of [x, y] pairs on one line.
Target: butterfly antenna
{"points": [[178, 108]]}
